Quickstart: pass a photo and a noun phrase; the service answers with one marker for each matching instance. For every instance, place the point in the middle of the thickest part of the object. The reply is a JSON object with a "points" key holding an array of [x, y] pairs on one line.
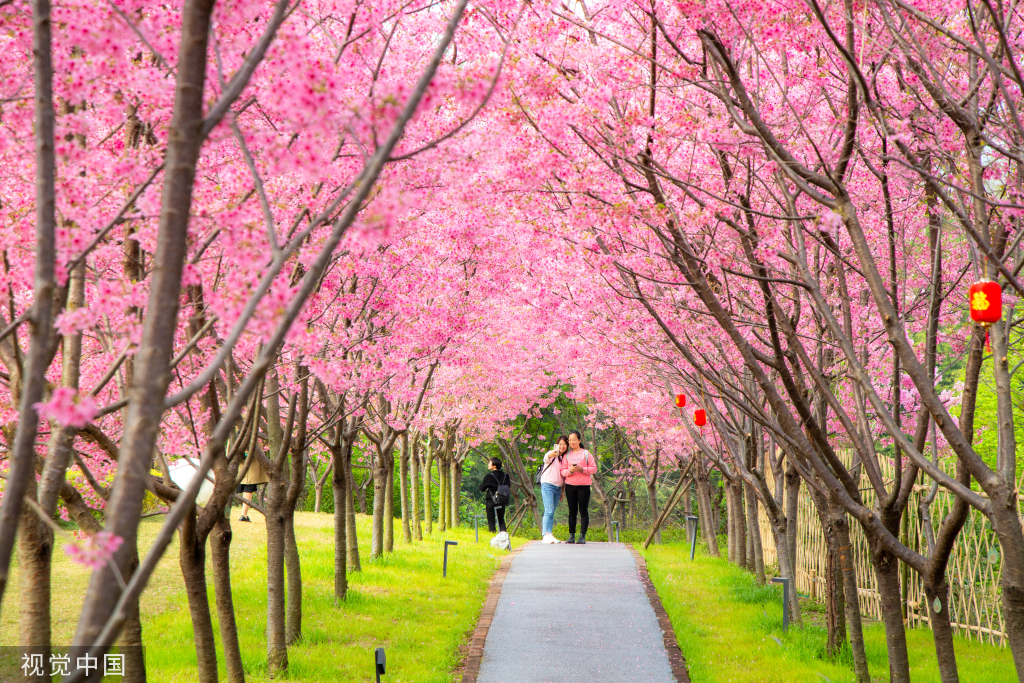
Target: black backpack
{"points": [[540, 472], [503, 493]]}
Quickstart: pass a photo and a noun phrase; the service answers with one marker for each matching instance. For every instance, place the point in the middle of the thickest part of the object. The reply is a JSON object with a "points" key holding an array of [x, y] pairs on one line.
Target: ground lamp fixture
{"points": [[476, 527], [379, 662], [691, 521], [986, 300], [444, 570], [785, 600], [616, 525]]}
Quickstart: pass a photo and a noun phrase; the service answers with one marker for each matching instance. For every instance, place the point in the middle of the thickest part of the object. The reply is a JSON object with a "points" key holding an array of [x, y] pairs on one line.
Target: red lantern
{"points": [[680, 400], [700, 418], [986, 299]]}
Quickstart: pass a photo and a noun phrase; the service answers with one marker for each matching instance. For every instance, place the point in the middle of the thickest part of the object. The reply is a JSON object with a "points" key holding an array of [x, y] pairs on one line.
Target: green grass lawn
{"points": [[727, 624], [399, 602]]}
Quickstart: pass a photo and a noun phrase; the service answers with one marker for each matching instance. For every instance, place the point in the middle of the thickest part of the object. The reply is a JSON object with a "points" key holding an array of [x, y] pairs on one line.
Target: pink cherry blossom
{"points": [[68, 407], [95, 550]]}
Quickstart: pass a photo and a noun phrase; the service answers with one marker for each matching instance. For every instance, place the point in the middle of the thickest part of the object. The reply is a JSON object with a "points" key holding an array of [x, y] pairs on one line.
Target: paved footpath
{"points": [[575, 614]]}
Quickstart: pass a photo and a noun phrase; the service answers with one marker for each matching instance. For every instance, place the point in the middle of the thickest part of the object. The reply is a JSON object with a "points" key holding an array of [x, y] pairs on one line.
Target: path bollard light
{"points": [[691, 522], [616, 525], [380, 662], [785, 600], [444, 571], [476, 527]]}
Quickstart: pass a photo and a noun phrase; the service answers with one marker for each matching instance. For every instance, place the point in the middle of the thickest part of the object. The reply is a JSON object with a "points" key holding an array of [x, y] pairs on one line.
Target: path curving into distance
{"points": [[574, 614]]}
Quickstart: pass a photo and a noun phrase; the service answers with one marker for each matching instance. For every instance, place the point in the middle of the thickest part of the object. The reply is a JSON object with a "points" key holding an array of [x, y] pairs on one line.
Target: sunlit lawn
{"points": [[726, 626], [399, 602]]}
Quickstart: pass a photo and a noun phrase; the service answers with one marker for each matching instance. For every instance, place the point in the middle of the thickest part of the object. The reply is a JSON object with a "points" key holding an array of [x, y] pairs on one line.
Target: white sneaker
{"points": [[549, 538]]}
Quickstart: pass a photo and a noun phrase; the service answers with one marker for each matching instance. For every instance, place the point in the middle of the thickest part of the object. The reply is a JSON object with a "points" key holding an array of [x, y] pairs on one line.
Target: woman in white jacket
{"points": [[551, 486]]}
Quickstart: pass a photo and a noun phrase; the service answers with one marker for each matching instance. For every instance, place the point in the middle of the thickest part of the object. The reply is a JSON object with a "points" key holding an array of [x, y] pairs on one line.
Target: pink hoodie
{"points": [[551, 474], [584, 459]]}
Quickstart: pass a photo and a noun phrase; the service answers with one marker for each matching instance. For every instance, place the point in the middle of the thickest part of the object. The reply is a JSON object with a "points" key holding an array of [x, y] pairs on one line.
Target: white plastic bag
{"points": [[182, 473], [501, 541]]}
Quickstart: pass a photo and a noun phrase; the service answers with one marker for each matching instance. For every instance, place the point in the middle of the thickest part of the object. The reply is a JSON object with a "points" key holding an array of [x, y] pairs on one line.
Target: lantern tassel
{"points": [[988, 347]]}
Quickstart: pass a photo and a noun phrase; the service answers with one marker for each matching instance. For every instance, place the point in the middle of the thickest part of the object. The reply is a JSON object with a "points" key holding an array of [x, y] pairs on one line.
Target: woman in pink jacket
{"points": [[577, 467]]}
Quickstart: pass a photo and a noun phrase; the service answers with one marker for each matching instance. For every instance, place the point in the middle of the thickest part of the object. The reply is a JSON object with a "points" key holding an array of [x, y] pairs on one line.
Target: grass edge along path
{"points": [[727, 628], [399, 601]]}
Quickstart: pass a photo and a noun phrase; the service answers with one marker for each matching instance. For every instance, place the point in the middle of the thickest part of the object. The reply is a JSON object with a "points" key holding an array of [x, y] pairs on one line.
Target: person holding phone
{"points": [[578, 465], [551, 487]]}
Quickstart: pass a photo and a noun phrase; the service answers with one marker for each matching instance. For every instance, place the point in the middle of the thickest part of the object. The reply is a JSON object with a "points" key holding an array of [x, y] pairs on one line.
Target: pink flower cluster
{"points": [[68, 407], [95, 550]]}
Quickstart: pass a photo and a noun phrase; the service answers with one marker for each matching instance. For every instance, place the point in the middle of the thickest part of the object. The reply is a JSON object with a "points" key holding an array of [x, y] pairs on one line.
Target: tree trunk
{"points": [[361, 495], [403, 483], [447, 491], [704, 509], [318, 493], [380, 487], [414, 477], [942, 630], [446, 476], [730, 524], [787, 571], [887, 571], [456, 491], [652, 497], [452, 497], [755, 534], [35, 538], [1005, 520], [220, 547], [389, 505], [1007, 526], [622, 509], [21, 471], [350, 516], [277, 648], [792, 511], [716, 508], [293, 628], [35, 553], [192, 557], [852, 599], [934, 577], [750, 540], [131, 636], [428, 505], [835, 622], [442, 495], [449, 494], [152, 365], [941, 546], [339, 482], [778, 524], [741, 525]]}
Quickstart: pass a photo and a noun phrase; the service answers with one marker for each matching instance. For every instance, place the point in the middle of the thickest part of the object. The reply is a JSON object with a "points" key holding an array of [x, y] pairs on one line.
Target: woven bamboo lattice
{"points": [[973, 572]]}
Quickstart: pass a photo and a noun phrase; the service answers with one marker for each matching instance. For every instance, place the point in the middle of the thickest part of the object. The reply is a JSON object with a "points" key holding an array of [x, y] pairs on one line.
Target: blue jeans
{"points": [[551, 494]]}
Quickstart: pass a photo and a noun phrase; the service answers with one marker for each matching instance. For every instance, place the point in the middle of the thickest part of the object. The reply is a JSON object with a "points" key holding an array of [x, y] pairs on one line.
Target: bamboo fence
{"points": [[973, 572]]}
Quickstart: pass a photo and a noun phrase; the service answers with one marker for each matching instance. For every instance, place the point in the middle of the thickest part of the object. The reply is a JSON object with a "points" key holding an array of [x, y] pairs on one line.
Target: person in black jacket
{"points": [[489, 485]]}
